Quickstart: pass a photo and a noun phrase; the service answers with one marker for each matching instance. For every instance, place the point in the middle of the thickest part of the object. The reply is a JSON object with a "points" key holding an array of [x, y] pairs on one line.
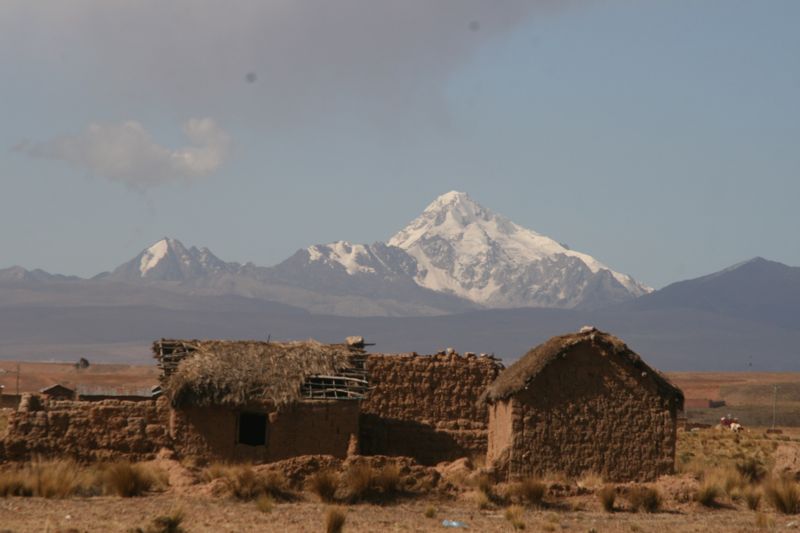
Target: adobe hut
{"points": [[582, 402], [261, 401]]}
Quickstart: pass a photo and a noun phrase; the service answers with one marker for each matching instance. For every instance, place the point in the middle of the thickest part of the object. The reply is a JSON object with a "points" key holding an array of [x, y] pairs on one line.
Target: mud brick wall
{"points": [[305, 428], [585, 413], [110, 429], [426, 407]]}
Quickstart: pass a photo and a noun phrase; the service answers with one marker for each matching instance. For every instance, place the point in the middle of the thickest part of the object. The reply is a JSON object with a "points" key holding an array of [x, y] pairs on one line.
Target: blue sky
{"points": [[660, 137]]}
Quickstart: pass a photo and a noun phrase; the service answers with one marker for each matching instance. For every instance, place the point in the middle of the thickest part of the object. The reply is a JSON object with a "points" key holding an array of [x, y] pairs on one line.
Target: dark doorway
{"points": [[252, 429]]}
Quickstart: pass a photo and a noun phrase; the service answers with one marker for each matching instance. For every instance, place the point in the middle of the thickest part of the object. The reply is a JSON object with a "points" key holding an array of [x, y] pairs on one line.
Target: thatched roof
{"points": [[519, 375], [240, 373]]}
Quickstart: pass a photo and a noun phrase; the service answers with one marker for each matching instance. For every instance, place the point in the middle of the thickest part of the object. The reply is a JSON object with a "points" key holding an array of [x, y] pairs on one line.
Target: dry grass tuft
{"points": [[752, 498], [334, 520], [751, 470], [49, 479], [264, 503], [591, 481], [514, 515], [607, 496], [783, 495], [244, 483], [482, 500], [707, 494], [430, 511], [170, 523], [324, 484], [646, 499], [127, 479], [364, 482], [530, 491]]}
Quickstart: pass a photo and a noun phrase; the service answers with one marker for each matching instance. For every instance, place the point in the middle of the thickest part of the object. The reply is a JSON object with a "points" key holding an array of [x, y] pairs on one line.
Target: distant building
{"points": [[58, 392], [582, 403]]}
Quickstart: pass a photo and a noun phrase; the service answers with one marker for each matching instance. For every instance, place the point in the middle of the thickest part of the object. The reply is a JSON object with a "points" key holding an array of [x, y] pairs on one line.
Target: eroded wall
{"points": [[110, 429], [426, 407], [306, 428], [587, 413]]}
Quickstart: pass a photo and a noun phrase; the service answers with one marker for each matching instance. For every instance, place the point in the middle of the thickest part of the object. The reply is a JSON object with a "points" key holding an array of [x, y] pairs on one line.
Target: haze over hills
{"points": [[457, 275]]}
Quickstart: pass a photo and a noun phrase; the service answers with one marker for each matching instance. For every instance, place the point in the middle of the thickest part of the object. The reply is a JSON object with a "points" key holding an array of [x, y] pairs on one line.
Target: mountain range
{"points": [[458, 274]]}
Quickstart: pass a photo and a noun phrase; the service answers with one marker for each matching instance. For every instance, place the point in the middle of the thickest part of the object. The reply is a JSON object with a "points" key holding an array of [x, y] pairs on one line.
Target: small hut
{"points": [[58, 392], [262, 401], [579, 403]]}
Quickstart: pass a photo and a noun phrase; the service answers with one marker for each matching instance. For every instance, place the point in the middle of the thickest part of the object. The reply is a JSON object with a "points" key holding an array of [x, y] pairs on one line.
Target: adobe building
{"points": [[262, 401], [580, 403], [426, 406]]}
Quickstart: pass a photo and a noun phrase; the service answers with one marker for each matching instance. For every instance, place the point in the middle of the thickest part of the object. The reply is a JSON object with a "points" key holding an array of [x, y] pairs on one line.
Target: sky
{"points": [[659, 137]]}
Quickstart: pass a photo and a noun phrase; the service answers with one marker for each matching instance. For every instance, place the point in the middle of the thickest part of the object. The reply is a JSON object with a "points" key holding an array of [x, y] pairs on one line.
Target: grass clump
{"points": [[751, 470], [783, 495], [170, 523], [324, 484], [246, 484], [365, 482], [646, 499], [264, 504], [514, 515], [334, 520], [430, 511], [530, 491], [607, 496], [127, 479], [752, 498], [49, 479], [707, 494]]}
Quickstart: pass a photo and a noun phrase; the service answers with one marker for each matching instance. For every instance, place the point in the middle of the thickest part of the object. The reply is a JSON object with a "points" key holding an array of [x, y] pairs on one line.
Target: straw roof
{"points": [[240, 373], [519, 375]]}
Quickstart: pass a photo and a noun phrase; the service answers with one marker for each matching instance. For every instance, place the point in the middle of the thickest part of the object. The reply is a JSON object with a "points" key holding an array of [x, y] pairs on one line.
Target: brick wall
{"points": [[104, 430], [426, 406]]}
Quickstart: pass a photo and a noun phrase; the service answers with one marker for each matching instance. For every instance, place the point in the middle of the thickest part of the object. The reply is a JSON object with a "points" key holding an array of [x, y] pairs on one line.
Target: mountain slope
{"points": [[758, 290], [464, 249], [169, 260]]}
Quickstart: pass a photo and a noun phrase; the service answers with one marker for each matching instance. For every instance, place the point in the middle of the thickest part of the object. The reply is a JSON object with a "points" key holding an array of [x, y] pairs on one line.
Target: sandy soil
{"points": [[221, 515]]}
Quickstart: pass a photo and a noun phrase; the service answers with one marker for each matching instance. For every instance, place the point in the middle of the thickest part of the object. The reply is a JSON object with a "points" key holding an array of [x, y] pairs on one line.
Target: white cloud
{"points": [[279, 63], [125, 152]]}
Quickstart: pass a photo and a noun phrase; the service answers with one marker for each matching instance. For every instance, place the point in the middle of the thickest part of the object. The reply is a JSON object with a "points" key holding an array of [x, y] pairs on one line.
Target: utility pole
{"points": [[17, 380], [774, 403]]}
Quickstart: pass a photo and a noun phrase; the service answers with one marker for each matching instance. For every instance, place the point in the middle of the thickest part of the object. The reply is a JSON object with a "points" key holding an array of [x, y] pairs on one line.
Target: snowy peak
{"points": [[464, 249], [169, 260]]}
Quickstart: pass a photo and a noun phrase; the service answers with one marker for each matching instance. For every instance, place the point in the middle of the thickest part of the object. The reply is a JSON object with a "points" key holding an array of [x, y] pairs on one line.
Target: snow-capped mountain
{"points": [[454, 257], [464, 249], [170, 260]]}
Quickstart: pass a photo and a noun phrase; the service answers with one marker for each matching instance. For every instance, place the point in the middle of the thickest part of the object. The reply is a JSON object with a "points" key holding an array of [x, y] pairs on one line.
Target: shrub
{"points": [[430, 511], [364, 482], [784, 496], [48, 479], [126, 479], [607, 496], [752, 497], [646, 499], [751, 470], [324, 484], [334, 520], [245, 484], [482, 500], [170, 523], [707, 495], [531, 491], [388, 480], [514, 515], [264, 503]]}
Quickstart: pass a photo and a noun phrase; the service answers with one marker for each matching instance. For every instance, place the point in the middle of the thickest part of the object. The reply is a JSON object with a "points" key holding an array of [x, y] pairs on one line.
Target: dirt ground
{"points": [[219, 515]]}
